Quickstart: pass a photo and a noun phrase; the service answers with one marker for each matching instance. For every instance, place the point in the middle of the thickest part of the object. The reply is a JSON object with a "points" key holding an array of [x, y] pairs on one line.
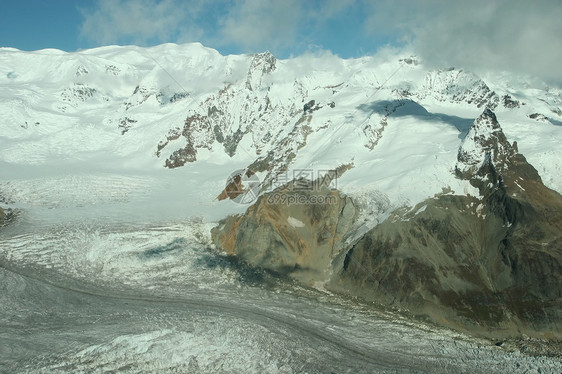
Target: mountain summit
{"points": [[489, 264], [485, 143], [376, 177]]}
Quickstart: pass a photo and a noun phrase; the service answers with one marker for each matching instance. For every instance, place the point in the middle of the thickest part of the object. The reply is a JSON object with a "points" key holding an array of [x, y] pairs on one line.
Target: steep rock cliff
{"points": [[490, 264], [291, 232], [493, 262]]}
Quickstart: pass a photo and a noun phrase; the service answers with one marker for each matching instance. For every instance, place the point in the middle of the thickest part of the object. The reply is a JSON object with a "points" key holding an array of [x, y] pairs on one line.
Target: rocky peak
{"points": [[81, 70], [262, 63], [484, 147], [459, 86]]}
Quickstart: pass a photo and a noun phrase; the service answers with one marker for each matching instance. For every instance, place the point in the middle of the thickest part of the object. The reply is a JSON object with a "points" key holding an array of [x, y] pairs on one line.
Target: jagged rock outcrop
{"points": [[488, 264], [5, 216], [467, 262], [262, 64], [457, 85], [241, 186], [484, 146], [290, 232]]}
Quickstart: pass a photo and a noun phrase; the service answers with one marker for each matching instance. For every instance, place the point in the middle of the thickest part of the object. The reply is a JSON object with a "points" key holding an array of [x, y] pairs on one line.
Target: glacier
{"points": [[108, 263]]}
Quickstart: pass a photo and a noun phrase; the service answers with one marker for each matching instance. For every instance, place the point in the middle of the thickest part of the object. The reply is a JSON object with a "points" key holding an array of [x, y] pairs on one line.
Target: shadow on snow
{"points": [[403, 108]]}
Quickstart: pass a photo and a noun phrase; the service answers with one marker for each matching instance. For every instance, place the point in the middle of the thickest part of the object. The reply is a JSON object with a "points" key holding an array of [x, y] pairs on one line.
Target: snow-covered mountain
{"points": [[390, 119], [487, 263], [388, 125], [117, 162]]}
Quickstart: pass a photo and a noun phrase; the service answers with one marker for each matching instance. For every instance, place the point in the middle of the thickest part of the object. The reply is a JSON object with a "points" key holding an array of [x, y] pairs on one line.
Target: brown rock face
{"points": [[290, 232], [5, 217], [235, 187], [465, 263], [490, 265]]}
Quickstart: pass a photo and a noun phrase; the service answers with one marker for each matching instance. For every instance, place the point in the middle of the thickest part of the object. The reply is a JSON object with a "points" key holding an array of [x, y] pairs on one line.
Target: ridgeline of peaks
{"points": [[183, 103], [431, 208], [490, 264]]}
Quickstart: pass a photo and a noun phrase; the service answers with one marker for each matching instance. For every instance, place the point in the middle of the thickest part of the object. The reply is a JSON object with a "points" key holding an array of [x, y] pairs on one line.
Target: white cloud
{"points": [[331, 8], [240, 25], [262, 24], [138, 22], [249, 24], [520, 35], [486, 35]]}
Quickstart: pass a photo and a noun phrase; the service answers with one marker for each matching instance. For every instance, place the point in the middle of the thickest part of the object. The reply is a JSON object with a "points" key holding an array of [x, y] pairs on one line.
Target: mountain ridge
{"points": [[489, 265], [417, 155], [163, 91]]}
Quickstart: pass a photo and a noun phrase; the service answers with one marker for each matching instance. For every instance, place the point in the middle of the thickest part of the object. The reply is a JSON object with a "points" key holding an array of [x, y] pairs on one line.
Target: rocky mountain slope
{"points": [[282, 235], [480, 263], [177, 105], [490, 263], [431, 206]]}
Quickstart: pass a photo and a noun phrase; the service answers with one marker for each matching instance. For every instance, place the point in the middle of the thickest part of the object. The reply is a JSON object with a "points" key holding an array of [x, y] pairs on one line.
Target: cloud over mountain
{"points": [[501, 35]]}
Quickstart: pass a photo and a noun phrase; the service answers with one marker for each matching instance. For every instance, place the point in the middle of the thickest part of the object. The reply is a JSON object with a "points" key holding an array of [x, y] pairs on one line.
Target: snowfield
{"points": [[109, 266]]}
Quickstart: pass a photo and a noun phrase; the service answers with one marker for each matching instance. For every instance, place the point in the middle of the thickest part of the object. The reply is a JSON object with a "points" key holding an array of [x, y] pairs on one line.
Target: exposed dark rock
{"points": [[112, 69], [290, 232], [140, 95], [125, 124], [218, 133], [6, 216], [373, 130], [178, 96], [77, 93], [310, 107], [278, 159], [81, 70], [213, 110], [410, 60], [173, 134], [509, 102], [489, 265], [231, 142], [198, 132], [262, 64], [477, 264], [485, 150], [538, 117], [236, 185], [180, 157], [465, 263]]}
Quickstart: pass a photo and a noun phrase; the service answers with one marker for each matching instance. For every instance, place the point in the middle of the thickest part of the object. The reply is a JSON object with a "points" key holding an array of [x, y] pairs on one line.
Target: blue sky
{"points": [[228, 26], [36, 24], [520, 35]]}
